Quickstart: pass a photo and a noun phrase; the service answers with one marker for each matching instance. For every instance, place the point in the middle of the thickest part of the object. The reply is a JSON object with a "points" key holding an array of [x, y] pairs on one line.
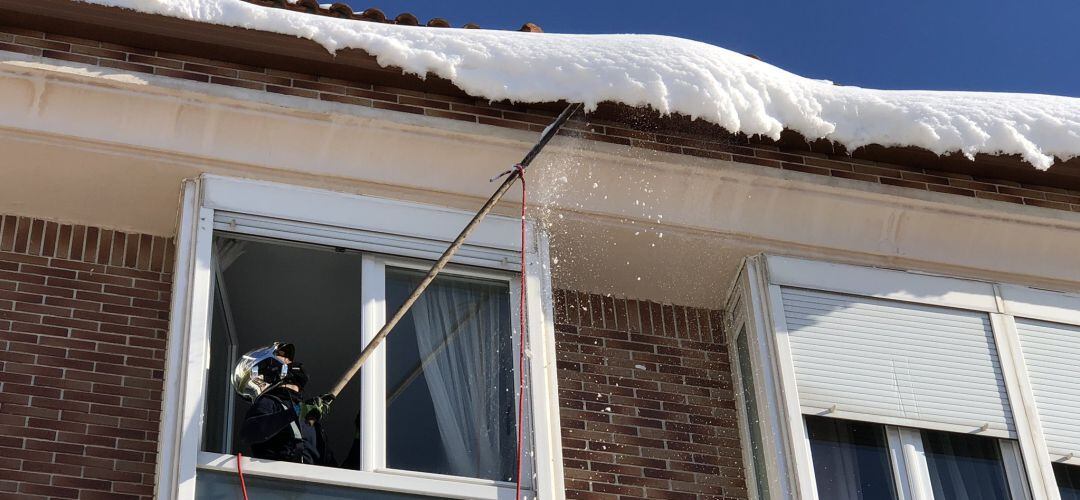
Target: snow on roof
{"points": [[675, 75]]}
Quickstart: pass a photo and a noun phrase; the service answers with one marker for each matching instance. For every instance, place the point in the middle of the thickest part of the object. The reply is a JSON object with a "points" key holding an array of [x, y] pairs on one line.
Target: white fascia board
{"points": [[881, 283]]}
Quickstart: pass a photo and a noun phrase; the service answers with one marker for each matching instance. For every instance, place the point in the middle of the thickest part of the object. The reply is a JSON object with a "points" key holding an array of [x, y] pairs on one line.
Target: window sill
{"points": [[416, 483]]}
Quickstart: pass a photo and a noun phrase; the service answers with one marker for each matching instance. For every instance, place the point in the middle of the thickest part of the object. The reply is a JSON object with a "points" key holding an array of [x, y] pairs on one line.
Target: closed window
{"points": [[963, 466], [888, 384], [750, 413], [450, 378], [1068, 481], [851, 459]]}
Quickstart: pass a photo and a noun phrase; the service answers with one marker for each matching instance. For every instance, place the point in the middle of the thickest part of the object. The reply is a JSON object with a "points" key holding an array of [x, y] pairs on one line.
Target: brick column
{"points": [[647, 408], [83, 317]]}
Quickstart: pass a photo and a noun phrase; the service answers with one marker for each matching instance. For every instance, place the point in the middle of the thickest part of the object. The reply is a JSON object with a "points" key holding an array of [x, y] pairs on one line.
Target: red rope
{"points": [[240, 472], [521, 333]]}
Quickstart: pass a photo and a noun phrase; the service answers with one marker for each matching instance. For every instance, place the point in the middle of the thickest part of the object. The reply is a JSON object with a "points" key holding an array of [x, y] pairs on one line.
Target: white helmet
{"points": [[261, 370]]}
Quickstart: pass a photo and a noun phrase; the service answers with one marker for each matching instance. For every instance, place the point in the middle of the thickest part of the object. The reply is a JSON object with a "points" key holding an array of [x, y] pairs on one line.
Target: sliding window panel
{"points": [[1052, 354], [851, 459], [1068, 481], [283, 291], [896, 363], [751, 416], [965, 467], [450, 391]]}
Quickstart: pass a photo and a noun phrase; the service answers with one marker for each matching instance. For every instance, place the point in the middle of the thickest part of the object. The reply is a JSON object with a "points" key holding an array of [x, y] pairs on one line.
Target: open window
{"points": [[870, 383], [432, 414]]}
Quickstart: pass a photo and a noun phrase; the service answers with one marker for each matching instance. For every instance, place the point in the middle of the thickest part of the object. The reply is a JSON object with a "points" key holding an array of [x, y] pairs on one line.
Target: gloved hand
{"points": [[316, 408]]}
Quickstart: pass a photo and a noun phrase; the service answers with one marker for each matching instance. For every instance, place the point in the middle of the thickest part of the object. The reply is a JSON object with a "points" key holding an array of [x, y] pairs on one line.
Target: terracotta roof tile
{"points": [[342, 10]]}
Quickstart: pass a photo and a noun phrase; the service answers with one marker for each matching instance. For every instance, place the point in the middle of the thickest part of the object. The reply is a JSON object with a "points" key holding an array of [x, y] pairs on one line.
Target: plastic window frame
{"points": [[1027, 459], [179, 451]]}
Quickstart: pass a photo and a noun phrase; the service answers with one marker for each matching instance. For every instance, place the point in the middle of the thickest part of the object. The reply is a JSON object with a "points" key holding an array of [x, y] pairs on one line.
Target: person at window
{"points": [[280, 425]]}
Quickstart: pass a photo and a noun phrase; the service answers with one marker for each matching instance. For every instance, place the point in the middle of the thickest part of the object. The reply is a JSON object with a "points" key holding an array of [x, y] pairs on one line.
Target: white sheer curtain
{"points": [[457, 330]]}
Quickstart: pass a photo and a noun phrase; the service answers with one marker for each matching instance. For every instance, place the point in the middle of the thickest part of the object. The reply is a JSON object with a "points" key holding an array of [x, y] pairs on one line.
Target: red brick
{"points": [[950, 190], [499, 122], [1046, 204], [972, 185], [72, 304], [97, 495], [930, 179], [104, 246], [51, 491], [100, 276], [999, 197], [70, 56], [132, 273], [7, 232], [22, 49], [397, 107], [119, 245], [264, 78], [184, 75], [73, 482], [292, 91], [22, 258], [233, 82], [126, 66], [903, 183]]}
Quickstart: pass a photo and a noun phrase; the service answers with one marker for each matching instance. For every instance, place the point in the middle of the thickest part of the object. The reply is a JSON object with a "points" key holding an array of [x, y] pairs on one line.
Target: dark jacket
{"points": [[273, 430]]}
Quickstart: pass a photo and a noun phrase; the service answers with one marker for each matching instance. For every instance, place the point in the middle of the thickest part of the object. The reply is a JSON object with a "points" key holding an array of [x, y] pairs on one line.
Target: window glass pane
{"points": [[1068, 481], [302, 294], [450, 378], [213, 485], [851, 459], [753, 420], [217, 430], [964, 467]]}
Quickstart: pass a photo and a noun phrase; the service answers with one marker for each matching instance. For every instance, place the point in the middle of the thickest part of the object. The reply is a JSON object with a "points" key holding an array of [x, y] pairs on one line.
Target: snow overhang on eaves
{"points": [[278, 51]]}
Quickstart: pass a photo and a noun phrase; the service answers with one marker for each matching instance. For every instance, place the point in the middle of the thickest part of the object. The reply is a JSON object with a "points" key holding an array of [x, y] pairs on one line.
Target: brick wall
{"points": [[635, 128], [645, 389], [646, 401], [83, 316]]}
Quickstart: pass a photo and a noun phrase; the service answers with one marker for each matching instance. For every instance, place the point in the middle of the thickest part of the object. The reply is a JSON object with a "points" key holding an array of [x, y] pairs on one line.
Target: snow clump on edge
{"points": [[675, 75]]}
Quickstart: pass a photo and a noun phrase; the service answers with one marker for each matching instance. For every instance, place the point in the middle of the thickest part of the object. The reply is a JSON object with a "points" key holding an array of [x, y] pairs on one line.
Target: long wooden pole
{"points": [[511, 177]]}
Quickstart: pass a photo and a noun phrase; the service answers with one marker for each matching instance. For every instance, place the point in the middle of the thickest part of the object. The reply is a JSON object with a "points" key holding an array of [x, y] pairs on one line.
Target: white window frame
{"points": [[760, 285], [390, 232]]}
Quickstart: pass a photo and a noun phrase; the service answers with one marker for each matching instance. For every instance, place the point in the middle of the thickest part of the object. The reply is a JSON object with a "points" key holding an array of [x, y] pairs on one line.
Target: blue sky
{"points": [[993, 45]]}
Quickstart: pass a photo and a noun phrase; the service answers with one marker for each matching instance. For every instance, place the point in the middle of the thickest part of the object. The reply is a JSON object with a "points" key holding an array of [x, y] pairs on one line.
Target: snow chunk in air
{"points": [[675, 75]]}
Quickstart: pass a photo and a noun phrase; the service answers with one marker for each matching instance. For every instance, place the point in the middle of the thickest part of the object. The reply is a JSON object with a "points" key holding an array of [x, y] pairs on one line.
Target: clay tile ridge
{"points": [[343, 11]]}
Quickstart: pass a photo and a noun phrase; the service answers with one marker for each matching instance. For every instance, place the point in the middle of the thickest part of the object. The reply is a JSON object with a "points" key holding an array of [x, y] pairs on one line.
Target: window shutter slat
{"points": [[896, 362], [1052, 355]]}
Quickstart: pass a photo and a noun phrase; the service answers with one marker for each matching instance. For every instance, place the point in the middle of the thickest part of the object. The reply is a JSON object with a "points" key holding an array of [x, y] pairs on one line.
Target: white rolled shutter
{"points": [[896, 363], [1052, 356], [400, 243]]}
